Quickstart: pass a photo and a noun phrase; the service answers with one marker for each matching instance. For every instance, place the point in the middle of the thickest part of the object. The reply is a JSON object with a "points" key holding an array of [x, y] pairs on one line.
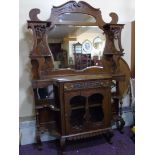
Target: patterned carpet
{"points": [[122, 145]]}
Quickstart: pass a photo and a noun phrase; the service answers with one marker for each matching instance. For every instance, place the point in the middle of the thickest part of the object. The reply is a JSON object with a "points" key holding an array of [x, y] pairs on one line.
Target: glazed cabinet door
{"points": [[98, 108], [74, 111], [87, 110]]}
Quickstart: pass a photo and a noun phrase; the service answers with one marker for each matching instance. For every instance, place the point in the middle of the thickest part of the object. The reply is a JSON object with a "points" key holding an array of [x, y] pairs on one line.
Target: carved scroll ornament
{"points": [[74, 7]]}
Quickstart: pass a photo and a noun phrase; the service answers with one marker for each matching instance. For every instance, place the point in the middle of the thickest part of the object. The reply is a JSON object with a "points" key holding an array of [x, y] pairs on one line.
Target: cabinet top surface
{"points": [[81, 78]]}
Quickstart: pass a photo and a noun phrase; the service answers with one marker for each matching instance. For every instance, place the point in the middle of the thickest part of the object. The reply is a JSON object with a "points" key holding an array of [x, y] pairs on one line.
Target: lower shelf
{"points": [[50, 127]]}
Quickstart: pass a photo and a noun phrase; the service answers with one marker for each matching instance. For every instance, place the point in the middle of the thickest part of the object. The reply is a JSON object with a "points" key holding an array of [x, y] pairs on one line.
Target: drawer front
{"points": [[86, 85]]}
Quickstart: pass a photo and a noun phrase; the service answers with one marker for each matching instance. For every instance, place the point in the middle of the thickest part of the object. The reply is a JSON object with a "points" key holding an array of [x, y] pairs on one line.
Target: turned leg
{"points": [[62, 145], [38, 132], [109, 136], [120, 123], [38, 140]]}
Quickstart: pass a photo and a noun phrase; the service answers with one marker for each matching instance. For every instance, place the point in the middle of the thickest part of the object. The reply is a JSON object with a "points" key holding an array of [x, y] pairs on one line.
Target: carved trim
{"points": [[75, 4], [87, 134], [33, 14], [74, 7], [112, 32], [114, 17], [113, 49], [40, 30], [86, 85], [66, 72]]}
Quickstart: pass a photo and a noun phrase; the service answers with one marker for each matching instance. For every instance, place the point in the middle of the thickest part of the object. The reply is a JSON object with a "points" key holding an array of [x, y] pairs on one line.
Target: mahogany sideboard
{"points": [[70, 103]]}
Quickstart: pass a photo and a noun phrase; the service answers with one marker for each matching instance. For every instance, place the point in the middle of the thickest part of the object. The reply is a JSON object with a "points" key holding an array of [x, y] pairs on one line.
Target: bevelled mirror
{"points": [[76, 42]]}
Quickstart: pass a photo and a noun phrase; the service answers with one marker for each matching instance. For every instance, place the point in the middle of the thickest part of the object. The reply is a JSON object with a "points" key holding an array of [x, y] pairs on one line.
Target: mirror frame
{"points": [[74, 7], [41, 57]]}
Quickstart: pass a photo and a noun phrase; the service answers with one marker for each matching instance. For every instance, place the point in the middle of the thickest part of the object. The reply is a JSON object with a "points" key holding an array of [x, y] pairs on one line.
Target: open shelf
{"points": [[42, 103], [45, 92], [50, 127]]}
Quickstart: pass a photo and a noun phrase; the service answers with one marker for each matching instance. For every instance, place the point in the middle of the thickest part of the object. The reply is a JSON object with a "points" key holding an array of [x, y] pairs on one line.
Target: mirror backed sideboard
{"points": [[79, 77]]}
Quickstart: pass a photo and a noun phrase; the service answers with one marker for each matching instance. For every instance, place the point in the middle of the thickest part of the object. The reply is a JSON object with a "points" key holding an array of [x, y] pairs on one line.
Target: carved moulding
{"points": [[113, 49], [74, 7], [40, 32], [113, 34], [41, 56]]}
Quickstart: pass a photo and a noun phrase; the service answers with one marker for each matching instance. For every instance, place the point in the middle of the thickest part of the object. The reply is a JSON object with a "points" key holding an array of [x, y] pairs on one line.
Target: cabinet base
{"points": [[107, 132]]}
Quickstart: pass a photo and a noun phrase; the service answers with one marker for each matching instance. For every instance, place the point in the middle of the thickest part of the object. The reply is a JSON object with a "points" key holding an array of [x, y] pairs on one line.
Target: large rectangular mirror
{"points": [[76, 47]]}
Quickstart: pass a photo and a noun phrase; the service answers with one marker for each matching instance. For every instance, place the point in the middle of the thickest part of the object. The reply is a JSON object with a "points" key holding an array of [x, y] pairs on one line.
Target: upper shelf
{"points": [[81, 77]]}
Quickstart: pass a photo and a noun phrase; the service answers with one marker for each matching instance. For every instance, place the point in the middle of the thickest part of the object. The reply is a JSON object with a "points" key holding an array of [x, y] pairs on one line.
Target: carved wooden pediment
{"points": [[74, 7]]}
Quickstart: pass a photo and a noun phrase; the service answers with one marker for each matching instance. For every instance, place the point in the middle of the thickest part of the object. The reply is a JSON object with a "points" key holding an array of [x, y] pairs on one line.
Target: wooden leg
{"points": [[62, 145], [38, 140], [120, 123], [109, 136]]}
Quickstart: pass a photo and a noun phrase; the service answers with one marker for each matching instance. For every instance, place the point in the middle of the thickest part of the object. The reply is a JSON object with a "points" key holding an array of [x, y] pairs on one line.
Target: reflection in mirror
{"points": [[76, 17], [76, 47]]}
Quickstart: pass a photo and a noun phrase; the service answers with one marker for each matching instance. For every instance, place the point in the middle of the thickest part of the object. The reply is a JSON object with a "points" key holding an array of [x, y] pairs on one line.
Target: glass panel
{"points": [[95, 102], [95, 107], [76, 47], [76, 17], [95, 99], [96, 114], [77, 104], [76, 118]]}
